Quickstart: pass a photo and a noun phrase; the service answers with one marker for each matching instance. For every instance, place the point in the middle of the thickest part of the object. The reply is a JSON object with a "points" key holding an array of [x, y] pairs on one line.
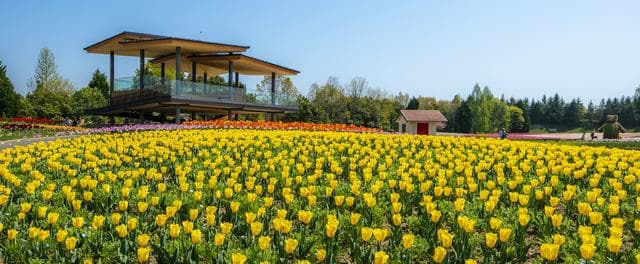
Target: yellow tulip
{"points": [[218, 239], [439, 254], [25, 207], [70, 243], [321, 254], [61, 235], [42, 211], [595, 218], [161, 219], [355, 218], [142, 207], [256, 228], [558, 239], [235, 206], [445, 238], [459, 204], [380, 257], [170, 211], [174, 230], [250, 217], [123, 205], [490, 239], [187, 226], [143, 254], [549, 251], [305, 216], [614, 244], [226, 227], [397, 219], [556, 220], [470, 261], [505, 234], [587, 251], [407, 240], [196, 236], [121, 230], [238, 258], [115, 218], [495, 223], [77, 222], [264, 242], [143, 240], [523, 219], [366, 233], [435, 216], [97, 222], [380, 234], [132, 224], [332, 226], [290, 245], [12, 234], [52, 218]]}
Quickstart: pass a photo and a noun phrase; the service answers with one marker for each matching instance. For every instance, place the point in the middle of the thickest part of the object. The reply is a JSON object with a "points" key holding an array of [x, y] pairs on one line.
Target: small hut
{"points": [[420, 122]]}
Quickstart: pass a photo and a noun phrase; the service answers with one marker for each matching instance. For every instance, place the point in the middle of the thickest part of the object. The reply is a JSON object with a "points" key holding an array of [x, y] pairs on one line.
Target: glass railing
{"points": [[127, 89]]}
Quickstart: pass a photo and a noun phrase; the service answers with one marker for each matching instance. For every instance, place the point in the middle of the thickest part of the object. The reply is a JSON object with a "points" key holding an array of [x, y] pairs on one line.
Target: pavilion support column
{"points": [[141, 71], [230, 78], [141, 120], [178, 115], [228, 114], [193, 77], [112, 73], [112, 78], [162, 73], [273, 88], [205, 77], [178, 70], [237, 79]]}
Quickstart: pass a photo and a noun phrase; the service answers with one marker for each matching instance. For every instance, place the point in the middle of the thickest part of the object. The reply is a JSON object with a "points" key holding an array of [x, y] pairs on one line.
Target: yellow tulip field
{"points": [[247, 196]]}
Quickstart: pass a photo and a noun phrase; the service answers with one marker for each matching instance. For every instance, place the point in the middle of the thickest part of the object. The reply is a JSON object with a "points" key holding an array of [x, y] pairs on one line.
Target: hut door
{"points": [[423, 129]]}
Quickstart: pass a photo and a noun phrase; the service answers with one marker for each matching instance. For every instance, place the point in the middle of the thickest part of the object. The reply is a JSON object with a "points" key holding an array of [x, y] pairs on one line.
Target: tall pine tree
{"points": [[99, 81], [9, 99]]}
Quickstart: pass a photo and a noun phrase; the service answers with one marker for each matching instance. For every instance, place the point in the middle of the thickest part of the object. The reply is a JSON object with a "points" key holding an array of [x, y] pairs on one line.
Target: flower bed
{"points": [[31, 120], [270, 125], [176, 196]]}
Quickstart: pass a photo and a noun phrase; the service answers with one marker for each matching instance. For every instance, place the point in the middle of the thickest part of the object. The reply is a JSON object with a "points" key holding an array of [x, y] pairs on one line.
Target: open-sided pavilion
{"points": [[145, 95]]}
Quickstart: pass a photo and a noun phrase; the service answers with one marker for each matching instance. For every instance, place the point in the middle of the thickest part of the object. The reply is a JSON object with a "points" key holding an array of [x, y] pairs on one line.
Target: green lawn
{"points": [[9, 134], [632, 145]]}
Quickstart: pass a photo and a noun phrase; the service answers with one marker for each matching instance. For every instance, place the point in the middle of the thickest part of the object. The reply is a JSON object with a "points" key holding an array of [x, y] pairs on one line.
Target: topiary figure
{"points": [[611, 129]]}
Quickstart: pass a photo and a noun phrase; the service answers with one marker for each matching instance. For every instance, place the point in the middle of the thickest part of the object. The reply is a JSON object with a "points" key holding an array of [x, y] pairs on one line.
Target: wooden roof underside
{"points": [[219, 64]]}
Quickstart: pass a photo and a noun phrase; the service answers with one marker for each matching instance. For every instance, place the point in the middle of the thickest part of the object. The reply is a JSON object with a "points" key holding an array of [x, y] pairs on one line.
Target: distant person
{"points": [[502, 134], [593, 135]]}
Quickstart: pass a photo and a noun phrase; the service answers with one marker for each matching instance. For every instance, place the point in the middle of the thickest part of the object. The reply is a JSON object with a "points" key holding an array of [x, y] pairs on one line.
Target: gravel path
{"points": [[28, 141]]}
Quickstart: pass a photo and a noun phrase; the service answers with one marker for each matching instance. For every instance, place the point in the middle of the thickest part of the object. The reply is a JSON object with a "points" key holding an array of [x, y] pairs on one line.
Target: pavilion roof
{"points": [[129, 44]]}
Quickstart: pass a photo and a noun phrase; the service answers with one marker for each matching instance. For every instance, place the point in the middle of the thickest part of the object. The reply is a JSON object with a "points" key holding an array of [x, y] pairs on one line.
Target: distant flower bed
{"points": [[142, 127], [271, 125], [31, 120]]}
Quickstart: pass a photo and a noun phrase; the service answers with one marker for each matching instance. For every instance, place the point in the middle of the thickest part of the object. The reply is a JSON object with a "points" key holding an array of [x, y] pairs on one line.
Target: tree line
{"points": [[50, 95], [354, 102]]}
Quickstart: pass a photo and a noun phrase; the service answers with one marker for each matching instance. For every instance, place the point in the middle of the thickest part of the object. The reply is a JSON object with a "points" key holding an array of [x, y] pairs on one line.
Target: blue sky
{"points": [[586, 49]]}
